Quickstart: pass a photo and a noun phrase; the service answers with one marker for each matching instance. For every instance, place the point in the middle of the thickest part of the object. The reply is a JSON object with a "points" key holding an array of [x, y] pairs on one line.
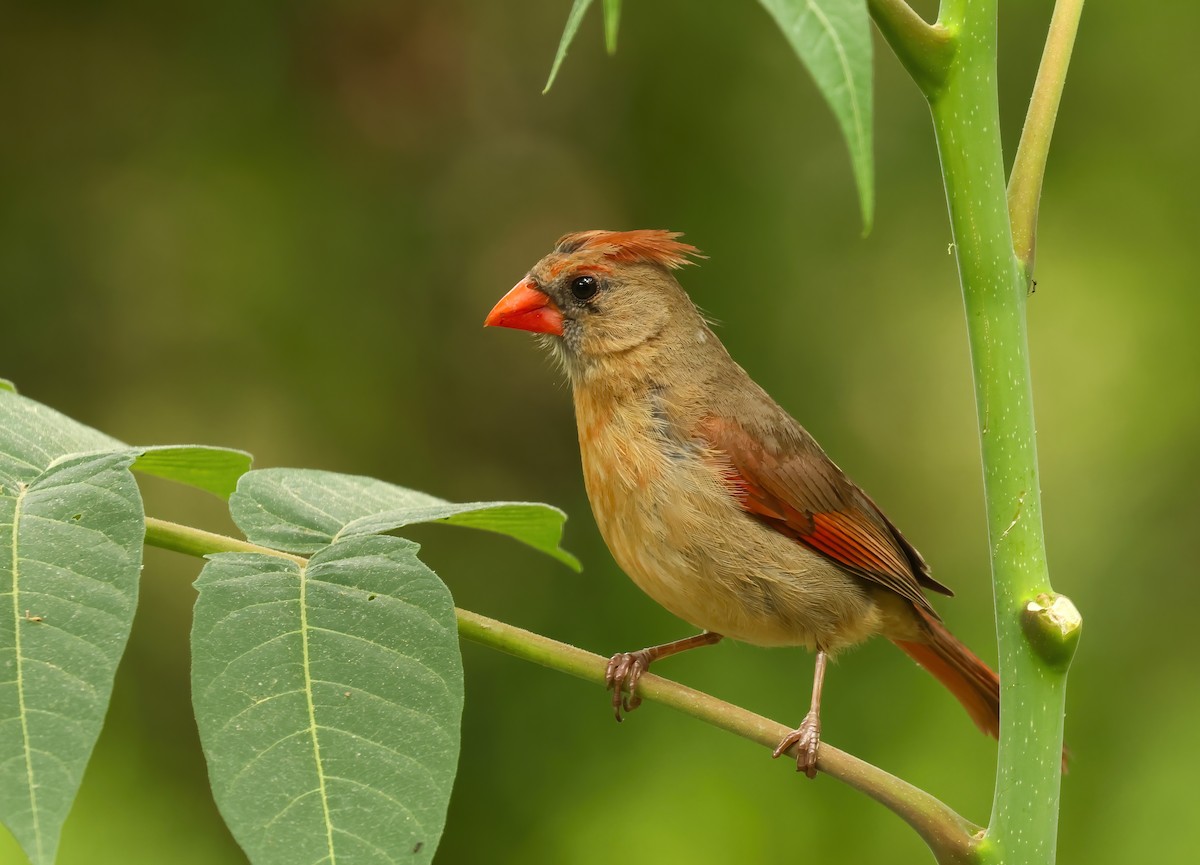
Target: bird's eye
{"points": [[584, 287]]}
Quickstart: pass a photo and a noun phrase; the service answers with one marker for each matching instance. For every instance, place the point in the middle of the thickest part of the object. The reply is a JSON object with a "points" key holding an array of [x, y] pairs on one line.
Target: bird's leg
{"points": [[626, 668], [807, 737]]}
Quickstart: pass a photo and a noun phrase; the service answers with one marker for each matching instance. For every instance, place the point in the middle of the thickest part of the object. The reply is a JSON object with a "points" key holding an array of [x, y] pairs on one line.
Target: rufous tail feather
{"points": [[970, 680]]}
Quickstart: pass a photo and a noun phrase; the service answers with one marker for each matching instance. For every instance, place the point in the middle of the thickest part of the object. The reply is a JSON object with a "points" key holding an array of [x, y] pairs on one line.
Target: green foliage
{"points": [[303, 510], [832, 38], [574, 19], [215, 470], [70, 558], [35, 434], [612, 23], [329, 698], [328, 691]]}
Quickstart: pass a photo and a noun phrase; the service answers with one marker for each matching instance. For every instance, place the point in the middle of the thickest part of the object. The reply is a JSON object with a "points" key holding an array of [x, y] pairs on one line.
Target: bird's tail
{"points": [[970, 680]]}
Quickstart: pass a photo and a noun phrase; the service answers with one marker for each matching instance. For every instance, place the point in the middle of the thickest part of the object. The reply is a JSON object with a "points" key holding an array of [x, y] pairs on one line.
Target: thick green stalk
{"points": [[965, 109]]}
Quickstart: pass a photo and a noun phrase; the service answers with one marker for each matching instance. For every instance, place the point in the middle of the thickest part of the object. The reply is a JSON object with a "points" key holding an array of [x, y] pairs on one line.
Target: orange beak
{"points": [[526, 308]]}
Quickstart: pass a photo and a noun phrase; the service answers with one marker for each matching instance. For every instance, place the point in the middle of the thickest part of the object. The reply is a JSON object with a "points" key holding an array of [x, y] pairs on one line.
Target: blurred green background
{"points": [[278, 226]]}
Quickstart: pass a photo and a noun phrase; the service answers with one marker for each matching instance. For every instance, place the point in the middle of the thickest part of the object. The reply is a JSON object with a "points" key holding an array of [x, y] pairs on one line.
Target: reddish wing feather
{"points": [[803, 495]]}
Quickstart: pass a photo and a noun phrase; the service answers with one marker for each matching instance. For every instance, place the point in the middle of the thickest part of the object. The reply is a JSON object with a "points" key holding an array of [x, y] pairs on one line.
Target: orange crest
{"points": [[648, 245]]}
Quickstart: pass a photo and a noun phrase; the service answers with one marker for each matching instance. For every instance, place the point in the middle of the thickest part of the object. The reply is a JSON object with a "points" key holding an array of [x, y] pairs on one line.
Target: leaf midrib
{"points": [[844, 62], [312, 713], [22, 490]]}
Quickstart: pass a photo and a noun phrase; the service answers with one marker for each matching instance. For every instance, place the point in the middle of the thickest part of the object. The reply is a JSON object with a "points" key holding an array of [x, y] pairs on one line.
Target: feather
{"points": [[648, 246], [801, 494]]}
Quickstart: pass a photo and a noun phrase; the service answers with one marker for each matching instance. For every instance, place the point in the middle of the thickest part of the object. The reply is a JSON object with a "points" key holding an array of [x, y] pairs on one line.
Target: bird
{"points": [[713, 499]]}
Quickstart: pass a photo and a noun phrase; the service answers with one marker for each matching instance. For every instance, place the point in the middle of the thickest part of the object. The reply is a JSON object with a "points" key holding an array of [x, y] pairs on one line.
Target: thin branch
{"points": [[1029, 167], [197, 542], [951, 838], [924, 49]]}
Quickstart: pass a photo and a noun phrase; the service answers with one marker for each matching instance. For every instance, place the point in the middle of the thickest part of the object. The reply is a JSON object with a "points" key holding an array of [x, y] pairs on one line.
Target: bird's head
{"points": [[601, 293]]}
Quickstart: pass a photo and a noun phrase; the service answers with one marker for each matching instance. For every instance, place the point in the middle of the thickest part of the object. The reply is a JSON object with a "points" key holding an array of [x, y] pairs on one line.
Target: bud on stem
{"points": [[1052, 625]]}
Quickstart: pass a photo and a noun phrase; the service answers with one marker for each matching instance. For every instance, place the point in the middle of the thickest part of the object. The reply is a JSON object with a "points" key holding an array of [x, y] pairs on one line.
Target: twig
{"points": [[948, 835], [924, 49], [197, 542], [1029, 166]]}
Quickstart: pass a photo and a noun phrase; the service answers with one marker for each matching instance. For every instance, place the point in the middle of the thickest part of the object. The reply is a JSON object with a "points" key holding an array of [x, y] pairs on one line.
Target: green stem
{"points": [[1029, 166], [952, 839], [925, 50], [197, 542], [966, 119], [949, 836]]}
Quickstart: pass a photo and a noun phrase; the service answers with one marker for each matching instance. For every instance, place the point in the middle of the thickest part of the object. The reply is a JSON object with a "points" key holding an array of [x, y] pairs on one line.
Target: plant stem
{"points": [[952, 839], [949, 836], [1029, 167], [965, 109], [925, 50], [197, 542]]}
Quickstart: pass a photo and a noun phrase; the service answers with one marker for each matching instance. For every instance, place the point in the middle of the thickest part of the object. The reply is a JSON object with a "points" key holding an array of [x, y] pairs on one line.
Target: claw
{"points": [[624, 671], [807, 739]]}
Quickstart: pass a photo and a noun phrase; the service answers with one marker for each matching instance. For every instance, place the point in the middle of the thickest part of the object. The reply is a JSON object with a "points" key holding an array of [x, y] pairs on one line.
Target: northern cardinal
{"points": [[714, 500]]}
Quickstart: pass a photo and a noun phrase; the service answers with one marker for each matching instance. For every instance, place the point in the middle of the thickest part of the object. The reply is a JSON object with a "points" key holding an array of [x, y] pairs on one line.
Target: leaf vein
{"points": [[402, 757], [22, 711], [312, 715], [844, 62]]}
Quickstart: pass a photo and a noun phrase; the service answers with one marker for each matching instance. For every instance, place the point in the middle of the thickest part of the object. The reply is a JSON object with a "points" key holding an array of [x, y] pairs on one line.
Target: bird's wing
{"points": [[794, 488]]}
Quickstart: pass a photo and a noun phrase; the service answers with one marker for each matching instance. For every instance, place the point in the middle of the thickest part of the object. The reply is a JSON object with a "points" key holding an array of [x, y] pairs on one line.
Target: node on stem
{"points": [[1052, 624]]}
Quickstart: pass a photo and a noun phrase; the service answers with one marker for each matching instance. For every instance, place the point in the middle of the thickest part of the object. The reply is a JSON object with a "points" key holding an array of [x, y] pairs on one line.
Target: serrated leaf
{"points": [[33, 435], [302, 510], [70, 559], [215, 470], [574, 17], [833, 40], [329, 702]]}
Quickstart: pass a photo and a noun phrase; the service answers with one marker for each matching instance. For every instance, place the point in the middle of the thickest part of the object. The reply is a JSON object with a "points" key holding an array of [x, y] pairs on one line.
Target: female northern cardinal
{"points": [[710, 496]]}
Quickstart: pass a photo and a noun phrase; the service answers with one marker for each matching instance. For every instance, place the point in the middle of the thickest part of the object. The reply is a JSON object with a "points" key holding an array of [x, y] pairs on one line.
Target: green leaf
{"points": [[5, 384], [33, 435], [833, 39], [612, 21], [329, 701], [302, 510], [215, 470], [70, 559], [574, 17]]}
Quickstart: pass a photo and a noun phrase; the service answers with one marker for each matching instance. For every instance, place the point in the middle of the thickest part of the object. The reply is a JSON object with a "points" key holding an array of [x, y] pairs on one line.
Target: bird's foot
{"points": [[807, 739], [624, 671]]}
